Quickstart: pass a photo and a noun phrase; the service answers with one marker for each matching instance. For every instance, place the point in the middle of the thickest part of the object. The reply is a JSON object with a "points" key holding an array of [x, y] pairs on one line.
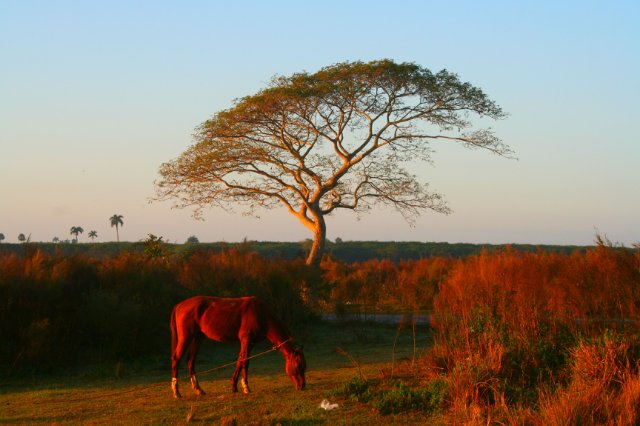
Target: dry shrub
{"points": [[475, 380], [410, 284], [472, 367], [627, 404], [510, 325], [602, 364], [605, 385]]}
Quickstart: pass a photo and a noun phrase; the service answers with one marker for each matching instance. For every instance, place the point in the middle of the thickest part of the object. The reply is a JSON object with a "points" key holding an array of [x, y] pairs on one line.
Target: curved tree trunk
{"points": [[319, 238]]}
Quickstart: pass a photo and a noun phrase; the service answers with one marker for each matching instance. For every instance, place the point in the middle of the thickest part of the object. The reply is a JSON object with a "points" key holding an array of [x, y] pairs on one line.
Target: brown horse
{"points": [[244, 319]]}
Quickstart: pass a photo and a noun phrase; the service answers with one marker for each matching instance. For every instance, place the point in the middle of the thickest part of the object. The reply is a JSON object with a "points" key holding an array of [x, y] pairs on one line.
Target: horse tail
{"points": [[174, 332]]}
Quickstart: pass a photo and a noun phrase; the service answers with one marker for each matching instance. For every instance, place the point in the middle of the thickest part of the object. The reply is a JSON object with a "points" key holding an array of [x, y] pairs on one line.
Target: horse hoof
{"points": [[174, 388]]}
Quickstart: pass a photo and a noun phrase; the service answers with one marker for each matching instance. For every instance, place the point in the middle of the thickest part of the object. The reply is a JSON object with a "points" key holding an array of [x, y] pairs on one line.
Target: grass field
{"points": [[139, 392]]}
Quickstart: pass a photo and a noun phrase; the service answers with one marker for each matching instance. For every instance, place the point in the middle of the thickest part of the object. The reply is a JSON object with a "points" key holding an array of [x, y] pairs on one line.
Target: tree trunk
{"points": [[319, 238]]}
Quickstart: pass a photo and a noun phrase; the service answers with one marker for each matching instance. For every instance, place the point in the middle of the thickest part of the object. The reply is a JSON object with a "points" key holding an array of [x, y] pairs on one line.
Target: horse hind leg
{"points": [[193, 352], [242, 367], [240, 373], [175, 362], [245, 384], [234, 378], [196, 385]]}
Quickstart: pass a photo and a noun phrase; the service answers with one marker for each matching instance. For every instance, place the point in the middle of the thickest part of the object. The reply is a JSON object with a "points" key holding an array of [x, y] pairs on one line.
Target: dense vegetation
{"points": [[56, 309], [521, 337], [533, 337], [541, 337]]}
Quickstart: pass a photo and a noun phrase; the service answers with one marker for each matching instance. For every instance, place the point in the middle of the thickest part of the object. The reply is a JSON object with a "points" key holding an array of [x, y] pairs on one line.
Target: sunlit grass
{"points": [[144, 397]]}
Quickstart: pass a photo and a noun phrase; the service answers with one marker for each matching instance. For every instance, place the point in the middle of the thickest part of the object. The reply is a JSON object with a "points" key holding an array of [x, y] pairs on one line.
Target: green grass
{"points": [[139, 392]]}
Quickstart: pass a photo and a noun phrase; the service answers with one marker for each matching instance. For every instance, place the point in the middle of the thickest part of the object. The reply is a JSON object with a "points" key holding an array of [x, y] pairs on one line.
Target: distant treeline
{"points": [[347, 251]]}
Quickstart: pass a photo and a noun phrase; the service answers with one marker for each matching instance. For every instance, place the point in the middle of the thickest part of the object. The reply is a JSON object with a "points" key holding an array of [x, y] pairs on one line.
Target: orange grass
{"points": [[540, 338]]}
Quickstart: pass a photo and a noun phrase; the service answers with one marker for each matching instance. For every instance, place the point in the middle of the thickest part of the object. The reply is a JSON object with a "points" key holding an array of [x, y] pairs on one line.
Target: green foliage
{"points": [[357, 389], [400, 398], [435, 395], [154, 247]]}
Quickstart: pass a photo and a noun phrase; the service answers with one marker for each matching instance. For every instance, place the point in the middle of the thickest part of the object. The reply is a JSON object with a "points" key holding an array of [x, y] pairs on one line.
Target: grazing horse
{"points": [[244, 319]]}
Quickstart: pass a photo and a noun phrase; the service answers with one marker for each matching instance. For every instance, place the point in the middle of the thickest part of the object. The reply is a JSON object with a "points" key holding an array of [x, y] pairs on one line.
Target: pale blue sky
{"points": [[94, 96]]}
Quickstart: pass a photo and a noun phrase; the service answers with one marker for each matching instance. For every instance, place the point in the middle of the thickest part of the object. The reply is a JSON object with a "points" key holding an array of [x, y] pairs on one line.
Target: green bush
{"points": [[357, 389], [401, 397]]}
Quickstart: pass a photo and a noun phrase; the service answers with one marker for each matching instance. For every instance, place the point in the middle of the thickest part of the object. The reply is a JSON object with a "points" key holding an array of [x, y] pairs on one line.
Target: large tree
{"points": [[335, 139]]}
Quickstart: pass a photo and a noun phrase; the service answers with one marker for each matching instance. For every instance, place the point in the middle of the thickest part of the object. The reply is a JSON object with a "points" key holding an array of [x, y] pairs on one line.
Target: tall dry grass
{"points": [[540, 338], [408, 284], [604, 386]]}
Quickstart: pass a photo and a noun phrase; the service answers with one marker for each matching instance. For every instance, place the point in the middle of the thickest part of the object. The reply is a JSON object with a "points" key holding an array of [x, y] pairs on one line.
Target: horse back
{"points": [[224, 319]]}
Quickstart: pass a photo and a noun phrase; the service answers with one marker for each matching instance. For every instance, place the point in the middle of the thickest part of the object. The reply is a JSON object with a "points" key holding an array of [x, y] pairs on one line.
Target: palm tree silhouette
{"points": [[116, 220], [93, 234], [1, 237], [75, 230], [22, 238]]}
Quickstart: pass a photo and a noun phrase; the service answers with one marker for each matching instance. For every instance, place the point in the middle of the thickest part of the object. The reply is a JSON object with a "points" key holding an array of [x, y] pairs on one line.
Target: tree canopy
{"points": [[335, 139]]}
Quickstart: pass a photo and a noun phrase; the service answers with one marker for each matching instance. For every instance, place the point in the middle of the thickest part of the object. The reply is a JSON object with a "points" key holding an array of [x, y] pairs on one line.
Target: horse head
{"points": [[296, 366]]}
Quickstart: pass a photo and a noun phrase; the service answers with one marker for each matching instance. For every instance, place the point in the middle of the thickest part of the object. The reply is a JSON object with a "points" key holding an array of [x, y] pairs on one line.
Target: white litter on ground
{"points": [[327, 405]]}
